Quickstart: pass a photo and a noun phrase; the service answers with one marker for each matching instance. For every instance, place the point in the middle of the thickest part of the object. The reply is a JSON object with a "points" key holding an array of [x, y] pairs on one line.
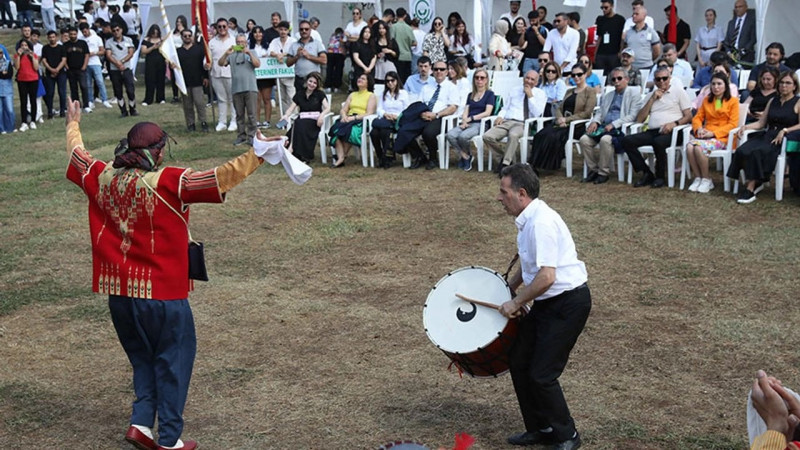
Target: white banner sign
{"points": [[271, 68], [424, 10]]}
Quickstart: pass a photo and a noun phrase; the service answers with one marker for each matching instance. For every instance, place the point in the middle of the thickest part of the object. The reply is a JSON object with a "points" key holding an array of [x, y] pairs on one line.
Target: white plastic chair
{"points": [[724, 155], [600, 75], [322, 137], [529, 126], [572, 143], [672, 151], [365, 129], [744, 75]]}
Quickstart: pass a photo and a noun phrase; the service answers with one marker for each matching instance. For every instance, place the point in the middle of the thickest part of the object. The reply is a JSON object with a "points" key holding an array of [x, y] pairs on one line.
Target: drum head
{"points": [[457, 326]]}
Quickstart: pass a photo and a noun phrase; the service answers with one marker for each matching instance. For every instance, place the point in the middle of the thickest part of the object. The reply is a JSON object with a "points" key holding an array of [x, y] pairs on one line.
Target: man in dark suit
{"points": [[741, 34]]}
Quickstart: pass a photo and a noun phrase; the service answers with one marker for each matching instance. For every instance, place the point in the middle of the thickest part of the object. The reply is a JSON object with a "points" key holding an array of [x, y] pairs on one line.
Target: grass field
{"points": [[310, 331]]}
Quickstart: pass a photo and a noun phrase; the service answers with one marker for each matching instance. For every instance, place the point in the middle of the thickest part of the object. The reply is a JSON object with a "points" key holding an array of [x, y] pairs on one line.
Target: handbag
{"points": [[197, 256]]}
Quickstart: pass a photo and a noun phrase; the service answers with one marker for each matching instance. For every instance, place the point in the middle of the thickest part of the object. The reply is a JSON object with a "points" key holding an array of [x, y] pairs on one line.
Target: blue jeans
{"points": [[530, 64], [49, 19], [95, 73], [25, 18], [8, 120], [159, 339]]}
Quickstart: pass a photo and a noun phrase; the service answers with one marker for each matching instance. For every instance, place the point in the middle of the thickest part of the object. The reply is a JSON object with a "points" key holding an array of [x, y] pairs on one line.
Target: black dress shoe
{"points": [[646, 180], [570, 444], [417, 163], [591, 177], [658, 183], [530, 438], [600, 179], [431, 165]]}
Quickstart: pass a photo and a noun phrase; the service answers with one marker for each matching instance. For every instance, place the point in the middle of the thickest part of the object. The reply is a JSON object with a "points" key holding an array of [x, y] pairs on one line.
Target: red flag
{"points": [[200, 21], [672, 31], [533, 5]]}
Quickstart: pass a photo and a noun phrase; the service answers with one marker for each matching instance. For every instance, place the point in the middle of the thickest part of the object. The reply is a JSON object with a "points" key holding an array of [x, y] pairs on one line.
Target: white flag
{"points": [[169, 51]]}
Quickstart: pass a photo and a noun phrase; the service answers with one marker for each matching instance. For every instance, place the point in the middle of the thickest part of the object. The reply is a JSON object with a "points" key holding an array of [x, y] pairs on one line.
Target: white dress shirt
{"points": [[392, 105], [565, 48], [543, 240], [448, 95], [218, 47], [514, 109]]}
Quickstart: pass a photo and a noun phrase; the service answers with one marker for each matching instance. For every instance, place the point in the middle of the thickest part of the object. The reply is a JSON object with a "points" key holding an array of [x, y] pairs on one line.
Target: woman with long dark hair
{"points": [[154, 67], [180, 25], [27, 64], [393, 101], [312, 105], [386, 50], [364, 56], [716, 117], [259, 45], [461, 44], [766, 89], [436, 42]]}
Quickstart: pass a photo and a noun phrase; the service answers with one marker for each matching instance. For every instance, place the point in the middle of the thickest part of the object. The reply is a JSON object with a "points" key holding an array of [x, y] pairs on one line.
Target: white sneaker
{"points": [[162, 102], [144, 103], [705, 186], [232, 127], [97, 100], [41, 120], [695, 184], [32, 125], [23, 127], [107, 104], [220, 126], [87, 110]]}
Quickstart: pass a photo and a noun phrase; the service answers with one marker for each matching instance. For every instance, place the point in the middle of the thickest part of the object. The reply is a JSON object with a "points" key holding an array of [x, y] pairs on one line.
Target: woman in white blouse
{"points": [[390, 104], [461, 43]]}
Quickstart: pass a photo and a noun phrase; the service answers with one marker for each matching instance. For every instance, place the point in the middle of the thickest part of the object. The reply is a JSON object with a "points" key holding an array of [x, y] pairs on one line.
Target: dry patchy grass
{"points": [[310, 332]]}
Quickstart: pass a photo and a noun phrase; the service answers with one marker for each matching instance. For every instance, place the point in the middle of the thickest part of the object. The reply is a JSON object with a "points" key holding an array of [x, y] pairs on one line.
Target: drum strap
{"points": [[511, 266]]}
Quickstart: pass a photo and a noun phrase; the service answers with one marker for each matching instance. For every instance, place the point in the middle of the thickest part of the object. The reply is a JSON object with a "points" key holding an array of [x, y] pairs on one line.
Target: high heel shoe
{"points": [[336, 166]]}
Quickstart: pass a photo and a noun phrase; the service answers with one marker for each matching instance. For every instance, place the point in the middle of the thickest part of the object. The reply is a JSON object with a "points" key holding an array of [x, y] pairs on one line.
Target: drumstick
{"points": [[478, 302]]}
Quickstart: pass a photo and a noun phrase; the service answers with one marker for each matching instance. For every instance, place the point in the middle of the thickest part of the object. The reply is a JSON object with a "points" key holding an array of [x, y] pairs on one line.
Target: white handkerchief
{"points": [[274, 152]]}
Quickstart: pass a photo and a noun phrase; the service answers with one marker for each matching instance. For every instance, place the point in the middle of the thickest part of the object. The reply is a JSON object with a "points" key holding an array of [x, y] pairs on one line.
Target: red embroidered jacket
{"points": [[139, 245]]}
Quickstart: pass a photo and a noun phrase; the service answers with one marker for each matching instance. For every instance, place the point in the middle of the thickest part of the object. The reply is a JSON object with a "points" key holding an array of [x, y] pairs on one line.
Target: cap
{"points": [[628, 51]]}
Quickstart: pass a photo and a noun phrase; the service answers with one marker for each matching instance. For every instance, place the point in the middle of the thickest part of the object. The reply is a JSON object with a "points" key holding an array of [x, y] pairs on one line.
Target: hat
{"points": [[628, 51]]}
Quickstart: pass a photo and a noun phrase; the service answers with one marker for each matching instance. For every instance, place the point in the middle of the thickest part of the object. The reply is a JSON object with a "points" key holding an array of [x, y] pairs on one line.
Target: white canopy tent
{"points": [[775, 19]]}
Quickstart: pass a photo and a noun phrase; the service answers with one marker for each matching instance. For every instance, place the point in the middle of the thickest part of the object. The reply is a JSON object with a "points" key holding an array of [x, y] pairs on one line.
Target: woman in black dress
{"points": [[758, 156], [548, 143], [312, 104], [766, 89], [154, 67], [364, 56], [386, 50]]}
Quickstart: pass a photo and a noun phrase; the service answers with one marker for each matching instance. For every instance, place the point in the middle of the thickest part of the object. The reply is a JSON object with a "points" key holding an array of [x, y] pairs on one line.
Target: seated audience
{"points": [[479, 104], [703, 75], [617, 108], [766, 89], [703, 93], [458, 76], [716, 117], [548, 143], [592, 80], [346, 132], [312, 105], [553, 86], [391, 104], [774, 55], [419, 80], [758, 156]]}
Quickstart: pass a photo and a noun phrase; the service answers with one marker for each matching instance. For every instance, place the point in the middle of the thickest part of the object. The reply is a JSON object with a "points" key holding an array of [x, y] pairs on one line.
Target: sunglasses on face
{"points": [[480, 78], [556, 21], [617, 78], [440, 69], [544, 60], [390, 80], [356, 13], [660, 79], [437, 24], [304, 29], [550, 71], [576, 75], [222, 27]]}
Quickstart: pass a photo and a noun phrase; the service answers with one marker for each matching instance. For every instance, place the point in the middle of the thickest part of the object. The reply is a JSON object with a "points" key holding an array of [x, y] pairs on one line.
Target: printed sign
{"points": [[424, 10], [271, 68]]}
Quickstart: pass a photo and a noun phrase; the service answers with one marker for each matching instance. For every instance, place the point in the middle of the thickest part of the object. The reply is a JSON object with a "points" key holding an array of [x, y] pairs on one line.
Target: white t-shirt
{"points": [[419, 36], [94, 42], [354, 30], [543, 240], [277, 47]]}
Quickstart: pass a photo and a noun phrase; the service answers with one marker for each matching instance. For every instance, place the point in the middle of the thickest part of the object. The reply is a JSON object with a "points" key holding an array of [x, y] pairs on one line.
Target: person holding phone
{"points": [[243, 64]]}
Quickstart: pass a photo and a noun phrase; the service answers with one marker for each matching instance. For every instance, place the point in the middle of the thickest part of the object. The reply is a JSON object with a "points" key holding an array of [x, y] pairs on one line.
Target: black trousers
{"points": [[429, 134], [154, 83], [540, 352], [659, 141], [606, 62], [50, 85], [27, 96], [403, 70], [334, 69], [120, 79], [380, 135], [77, 78]]}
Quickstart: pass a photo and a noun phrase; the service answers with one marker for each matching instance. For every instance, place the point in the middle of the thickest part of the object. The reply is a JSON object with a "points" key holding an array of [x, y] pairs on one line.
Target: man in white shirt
{"points": [[221, 76], [681, 69], [512, 15], [94, 70], [524, 102], [102, 12], [563, 42], [551, 276], [424, 117]]}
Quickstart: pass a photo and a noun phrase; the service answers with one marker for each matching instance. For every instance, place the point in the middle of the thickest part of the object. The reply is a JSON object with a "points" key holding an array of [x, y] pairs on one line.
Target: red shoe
{"points": [[187, 445], [139, 439]]}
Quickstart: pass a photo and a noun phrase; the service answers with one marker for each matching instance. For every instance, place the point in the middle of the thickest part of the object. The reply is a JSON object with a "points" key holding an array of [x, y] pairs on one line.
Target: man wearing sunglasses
{"points": [[119, 52], [609, 37], [617, 107], [307, 55], [524, 102], [668, 107], [535, 36], [221, 75], [424, 117]]}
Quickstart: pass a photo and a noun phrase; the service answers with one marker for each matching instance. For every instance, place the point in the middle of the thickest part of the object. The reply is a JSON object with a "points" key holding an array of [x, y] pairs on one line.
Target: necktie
{"points": [[435, 97], [736, 30], [525, 108]]}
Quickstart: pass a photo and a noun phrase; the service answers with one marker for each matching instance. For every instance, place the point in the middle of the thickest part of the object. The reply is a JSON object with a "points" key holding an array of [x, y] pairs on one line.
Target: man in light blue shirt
{"points": [[419, 80]]}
